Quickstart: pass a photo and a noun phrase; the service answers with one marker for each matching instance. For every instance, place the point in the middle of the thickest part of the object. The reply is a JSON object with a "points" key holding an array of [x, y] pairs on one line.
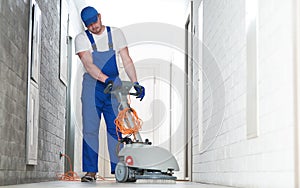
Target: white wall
{"points": [[122, 13], [232, 159]]}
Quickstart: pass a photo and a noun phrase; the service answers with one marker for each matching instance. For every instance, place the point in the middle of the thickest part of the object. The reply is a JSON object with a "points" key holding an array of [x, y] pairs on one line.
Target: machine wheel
{"points": [[121, 172]]}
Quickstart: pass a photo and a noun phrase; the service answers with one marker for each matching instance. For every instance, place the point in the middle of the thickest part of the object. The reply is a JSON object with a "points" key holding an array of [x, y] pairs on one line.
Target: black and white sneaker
{"points": [[88, 178]]}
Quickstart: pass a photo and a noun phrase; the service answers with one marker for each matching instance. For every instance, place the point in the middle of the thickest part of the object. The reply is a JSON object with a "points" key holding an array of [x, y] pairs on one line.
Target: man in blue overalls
{"points": [[97, 49]]}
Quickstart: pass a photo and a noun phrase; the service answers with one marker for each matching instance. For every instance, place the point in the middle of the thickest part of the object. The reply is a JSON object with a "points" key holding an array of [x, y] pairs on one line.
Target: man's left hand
{"points": [[140, 90]]}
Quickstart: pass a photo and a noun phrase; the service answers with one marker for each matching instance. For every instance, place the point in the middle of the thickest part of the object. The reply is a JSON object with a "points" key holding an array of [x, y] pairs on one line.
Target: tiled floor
{"points": [[110, 184]]}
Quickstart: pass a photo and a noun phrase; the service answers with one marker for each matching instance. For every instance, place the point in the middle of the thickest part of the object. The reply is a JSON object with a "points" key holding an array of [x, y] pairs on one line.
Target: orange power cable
{"points": [[70, 175], [122, 122]]}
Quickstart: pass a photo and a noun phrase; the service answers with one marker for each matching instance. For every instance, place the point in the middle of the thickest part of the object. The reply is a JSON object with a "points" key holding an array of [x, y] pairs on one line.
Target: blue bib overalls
{"points": [[95, 103]]}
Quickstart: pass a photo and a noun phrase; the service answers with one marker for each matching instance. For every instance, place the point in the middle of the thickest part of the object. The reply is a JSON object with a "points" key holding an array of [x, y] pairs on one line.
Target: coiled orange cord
{"points": [[122, 121], [70, 175]]}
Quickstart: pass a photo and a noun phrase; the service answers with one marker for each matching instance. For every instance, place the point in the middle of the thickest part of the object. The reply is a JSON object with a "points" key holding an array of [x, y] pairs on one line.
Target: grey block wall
{"points": [[14, 19]]}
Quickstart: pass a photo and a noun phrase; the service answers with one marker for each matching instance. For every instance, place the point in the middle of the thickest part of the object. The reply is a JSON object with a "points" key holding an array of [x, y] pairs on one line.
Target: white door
{"points": [[146, 107], [161, 109], [154, 109]]}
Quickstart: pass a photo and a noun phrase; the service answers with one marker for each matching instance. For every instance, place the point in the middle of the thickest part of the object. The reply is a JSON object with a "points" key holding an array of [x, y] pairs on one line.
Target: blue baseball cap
{"points": [[89, 15]]}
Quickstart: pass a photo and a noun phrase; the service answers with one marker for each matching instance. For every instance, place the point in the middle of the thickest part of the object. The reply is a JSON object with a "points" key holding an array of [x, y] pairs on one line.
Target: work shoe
{"points": [[89, 177]]}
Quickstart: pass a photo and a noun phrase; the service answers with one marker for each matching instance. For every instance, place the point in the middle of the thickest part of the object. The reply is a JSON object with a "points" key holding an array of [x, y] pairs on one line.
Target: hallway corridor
{"points": [[222, 91]]}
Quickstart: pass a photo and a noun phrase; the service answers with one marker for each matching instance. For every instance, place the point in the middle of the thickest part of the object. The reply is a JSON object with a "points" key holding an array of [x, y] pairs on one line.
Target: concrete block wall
{"points": [[52, 95], [232, 159], [14, 20]]}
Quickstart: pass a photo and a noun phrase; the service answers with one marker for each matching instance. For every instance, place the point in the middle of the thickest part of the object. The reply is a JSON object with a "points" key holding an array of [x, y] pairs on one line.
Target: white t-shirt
{"points": [[82, 42]]}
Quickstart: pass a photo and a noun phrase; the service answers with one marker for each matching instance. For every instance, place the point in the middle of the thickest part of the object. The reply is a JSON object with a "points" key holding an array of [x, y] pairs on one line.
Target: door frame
{"points": [[296, 34], [69, 128], [188, 96]]}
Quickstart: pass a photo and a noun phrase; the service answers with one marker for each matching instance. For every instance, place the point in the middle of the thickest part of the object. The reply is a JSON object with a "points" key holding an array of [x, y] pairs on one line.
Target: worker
{"points": [[98, 48]]}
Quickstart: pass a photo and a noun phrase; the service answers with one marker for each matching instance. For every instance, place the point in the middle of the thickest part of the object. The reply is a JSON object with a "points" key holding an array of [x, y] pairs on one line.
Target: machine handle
{"points": [[134, 94], [108, 88]]}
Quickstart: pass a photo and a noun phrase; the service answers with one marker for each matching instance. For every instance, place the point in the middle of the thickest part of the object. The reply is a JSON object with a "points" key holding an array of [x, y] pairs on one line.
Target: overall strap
{"points": [[110, 43], [91, 38]]}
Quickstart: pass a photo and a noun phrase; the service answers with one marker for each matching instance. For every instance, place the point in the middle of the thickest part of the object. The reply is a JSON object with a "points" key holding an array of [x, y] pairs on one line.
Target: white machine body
{"points": [[143, 156]]}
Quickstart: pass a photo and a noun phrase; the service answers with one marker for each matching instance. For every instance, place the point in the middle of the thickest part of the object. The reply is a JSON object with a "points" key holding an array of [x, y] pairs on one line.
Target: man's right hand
{"points": [[115, 81]]}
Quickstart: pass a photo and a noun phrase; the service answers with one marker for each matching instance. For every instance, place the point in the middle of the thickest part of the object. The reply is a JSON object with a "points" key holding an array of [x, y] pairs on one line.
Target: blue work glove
{"points": [[115, 81], [140, 90]]}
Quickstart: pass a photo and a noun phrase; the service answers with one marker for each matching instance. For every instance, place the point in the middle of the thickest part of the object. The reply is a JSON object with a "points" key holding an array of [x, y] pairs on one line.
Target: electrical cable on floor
{"points": [[71, 175]]}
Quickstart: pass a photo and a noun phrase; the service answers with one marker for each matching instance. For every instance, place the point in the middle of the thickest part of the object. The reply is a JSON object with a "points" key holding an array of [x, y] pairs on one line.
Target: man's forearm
{"points": [[128, 64], [90, 67], [131, 72], [96, 73]]}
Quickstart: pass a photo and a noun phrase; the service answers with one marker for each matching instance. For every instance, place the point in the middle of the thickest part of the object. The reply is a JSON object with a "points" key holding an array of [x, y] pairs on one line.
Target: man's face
{"points": [[96, 26]]}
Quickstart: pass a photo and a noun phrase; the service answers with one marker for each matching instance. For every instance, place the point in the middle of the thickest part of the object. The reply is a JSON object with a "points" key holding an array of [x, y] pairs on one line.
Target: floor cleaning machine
{"points": [[139, 161]]}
